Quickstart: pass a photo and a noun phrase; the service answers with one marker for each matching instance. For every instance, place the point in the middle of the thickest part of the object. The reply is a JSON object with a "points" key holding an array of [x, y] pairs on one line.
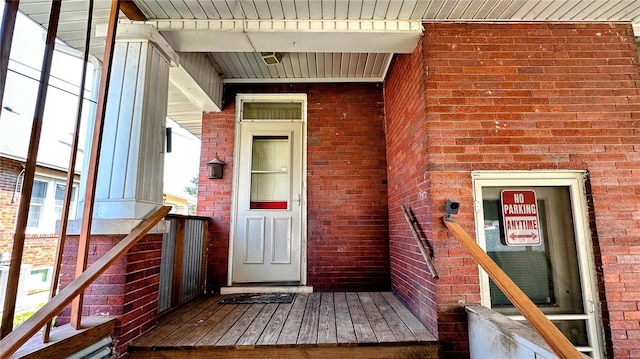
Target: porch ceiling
{"points": [[352, 54], [322, 40]]}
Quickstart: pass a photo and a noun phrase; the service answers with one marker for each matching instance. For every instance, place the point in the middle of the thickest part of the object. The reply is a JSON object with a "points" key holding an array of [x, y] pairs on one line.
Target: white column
{"points": [[130, 174]]}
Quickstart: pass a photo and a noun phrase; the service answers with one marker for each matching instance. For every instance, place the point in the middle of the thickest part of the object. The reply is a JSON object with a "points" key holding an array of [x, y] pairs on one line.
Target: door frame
{"points": [[575, 182], [277, 98]]}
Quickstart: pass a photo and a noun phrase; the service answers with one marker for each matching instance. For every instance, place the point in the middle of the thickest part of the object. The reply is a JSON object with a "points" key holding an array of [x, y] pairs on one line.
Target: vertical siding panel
{"points": [[111, 121], [129, 140], [166, 267]]}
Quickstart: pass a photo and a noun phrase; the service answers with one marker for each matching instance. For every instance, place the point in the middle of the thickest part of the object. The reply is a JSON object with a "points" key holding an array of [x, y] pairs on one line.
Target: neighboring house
{"points": [[329, 116], [181, 203]]}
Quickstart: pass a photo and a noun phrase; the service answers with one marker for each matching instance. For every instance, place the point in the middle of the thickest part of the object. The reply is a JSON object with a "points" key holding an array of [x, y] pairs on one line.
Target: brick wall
{"points": [[346, 174], [522, 97], [405, 111], [9, 171], [128, 290], [39, 249]]}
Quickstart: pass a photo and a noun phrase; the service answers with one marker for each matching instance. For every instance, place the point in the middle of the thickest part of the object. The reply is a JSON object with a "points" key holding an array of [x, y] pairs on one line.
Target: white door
{"points": [[556, 271], [269, 203]]}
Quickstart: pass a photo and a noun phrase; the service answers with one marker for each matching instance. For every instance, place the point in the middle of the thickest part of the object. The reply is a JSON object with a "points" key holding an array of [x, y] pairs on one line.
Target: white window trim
{"points": [[575, 181], [49, 203], [276, 98]]}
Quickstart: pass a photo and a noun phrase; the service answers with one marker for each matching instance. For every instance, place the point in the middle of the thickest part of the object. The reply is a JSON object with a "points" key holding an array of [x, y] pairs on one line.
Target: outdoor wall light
{"points": [[451, 207], [215, 168]]}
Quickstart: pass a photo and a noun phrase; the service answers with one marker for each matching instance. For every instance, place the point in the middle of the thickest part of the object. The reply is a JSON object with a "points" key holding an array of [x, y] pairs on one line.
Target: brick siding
{"points": [[128, 290], [9, 171], [39, 249], [346, 173], [526, 96]]}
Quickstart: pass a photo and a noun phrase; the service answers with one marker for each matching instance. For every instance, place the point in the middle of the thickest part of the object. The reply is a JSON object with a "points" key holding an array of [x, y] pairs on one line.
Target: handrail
{"points": [[14, 340], [560, 345], [427, 258]]}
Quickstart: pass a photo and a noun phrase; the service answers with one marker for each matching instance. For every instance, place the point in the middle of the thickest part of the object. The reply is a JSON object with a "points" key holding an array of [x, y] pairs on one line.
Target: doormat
{"points": [[258, 298]]}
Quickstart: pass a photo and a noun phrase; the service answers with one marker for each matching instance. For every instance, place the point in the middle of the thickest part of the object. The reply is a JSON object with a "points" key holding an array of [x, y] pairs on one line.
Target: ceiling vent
{"points": [[271, 58]]}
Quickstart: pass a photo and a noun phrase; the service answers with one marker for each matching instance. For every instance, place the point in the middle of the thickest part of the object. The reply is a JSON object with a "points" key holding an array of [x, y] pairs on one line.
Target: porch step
{"points": [[94, 336], [316, 325], [428, 351]]}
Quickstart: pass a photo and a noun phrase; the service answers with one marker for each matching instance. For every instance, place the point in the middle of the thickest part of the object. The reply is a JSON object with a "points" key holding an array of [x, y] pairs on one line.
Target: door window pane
{"points": [[270, 172], [528, 266], [547, 273]]}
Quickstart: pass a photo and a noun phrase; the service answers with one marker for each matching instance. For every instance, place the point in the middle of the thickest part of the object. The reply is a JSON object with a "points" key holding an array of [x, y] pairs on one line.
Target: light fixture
{"points": [[271, 58], [451, 207], [215, 167]]}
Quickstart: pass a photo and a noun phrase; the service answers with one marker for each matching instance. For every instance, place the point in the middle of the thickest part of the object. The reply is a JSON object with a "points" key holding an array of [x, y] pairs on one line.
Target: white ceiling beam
{"points": [[334, 36]]}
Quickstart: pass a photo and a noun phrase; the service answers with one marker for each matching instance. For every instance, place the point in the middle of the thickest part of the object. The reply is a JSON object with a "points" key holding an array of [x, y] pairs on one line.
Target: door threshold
{"points": [[266, 289]]}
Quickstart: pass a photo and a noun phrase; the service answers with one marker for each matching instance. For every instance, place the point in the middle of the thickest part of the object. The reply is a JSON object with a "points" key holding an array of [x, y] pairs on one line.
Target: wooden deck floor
{"points": [[316, 325]]}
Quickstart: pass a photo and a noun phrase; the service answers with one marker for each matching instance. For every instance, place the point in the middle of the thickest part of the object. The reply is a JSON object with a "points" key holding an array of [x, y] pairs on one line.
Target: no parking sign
{"points": [[520, 214]]}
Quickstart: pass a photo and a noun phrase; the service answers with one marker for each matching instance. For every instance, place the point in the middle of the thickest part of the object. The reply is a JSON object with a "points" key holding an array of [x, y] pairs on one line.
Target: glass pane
{"points": [[34, 215], [60, 193], [574, 330], [547, 273], [39, 192], [271, 111], [518, 261], [270, 175]]}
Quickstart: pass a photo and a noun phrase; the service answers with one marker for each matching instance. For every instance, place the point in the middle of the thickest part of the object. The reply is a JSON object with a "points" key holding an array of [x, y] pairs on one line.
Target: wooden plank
{"points": [[203, 259], [309, 326], [94, 159], [15, 264], [240, 326], [65, 340], [199, 303], [276, 323], [408, 318], [351, 352], [176, 285], [15, 339], [380, 327], [171, 332], [221, 328], [289, 334], [344, 325], [547, 330], [132, 11], [206, 326], [327, 321], [252, 334], [361, 326], [73, 154], [6, 38], [399, 329]]}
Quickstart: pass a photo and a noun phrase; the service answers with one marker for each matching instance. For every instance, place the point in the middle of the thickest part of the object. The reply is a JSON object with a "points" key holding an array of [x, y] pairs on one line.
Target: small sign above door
{"points": [[520, 214]]}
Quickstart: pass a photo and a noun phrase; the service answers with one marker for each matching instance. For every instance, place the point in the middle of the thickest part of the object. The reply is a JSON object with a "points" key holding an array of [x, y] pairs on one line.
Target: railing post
{"points": [[15, 339], [203, 257], [29, 174], [176, 287], [94, 160]]}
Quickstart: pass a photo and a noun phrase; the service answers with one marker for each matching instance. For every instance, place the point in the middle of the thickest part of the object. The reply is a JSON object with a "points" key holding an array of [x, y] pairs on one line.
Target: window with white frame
{"points": [[45, 208], [551, 260]]}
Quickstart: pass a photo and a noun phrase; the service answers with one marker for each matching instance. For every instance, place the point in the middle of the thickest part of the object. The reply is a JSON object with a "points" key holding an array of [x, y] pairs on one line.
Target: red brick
{"points": [[578, 89], [345, 164]]}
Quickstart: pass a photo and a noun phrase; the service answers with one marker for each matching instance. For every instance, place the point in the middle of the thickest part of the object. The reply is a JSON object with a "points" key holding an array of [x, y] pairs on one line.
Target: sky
{"points": [[61, 110]]}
